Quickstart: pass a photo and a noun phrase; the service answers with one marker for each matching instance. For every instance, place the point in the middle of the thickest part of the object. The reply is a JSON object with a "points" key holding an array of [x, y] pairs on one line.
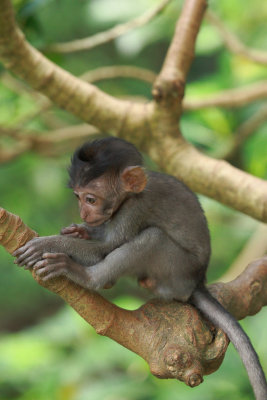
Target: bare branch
{"points": [[47, 144], [230, 98], [81, 99], [246, 130], [63, 140], [171, 80], [213, 178], [233, 43], [44, 104], [17, 150], [41, 102], [255, 247], [119, 71], [111, 34]]}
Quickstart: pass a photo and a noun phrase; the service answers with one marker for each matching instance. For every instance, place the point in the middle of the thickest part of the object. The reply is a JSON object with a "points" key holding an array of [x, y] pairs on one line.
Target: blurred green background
{"points": [[46, 350]]}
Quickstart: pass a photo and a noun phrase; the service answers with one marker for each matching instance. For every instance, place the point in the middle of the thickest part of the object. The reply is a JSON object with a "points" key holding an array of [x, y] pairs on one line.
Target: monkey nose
{"points": [[83, 214]]}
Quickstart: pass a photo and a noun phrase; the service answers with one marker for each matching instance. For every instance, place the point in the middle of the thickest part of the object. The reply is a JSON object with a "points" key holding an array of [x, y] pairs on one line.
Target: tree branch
{"points": [[111, 34], [172, 337], [119, 71], [213, 178], [81, 99], [245, 131], [255, 247], [153, 127], [237, 97], [52, 143], [170, 82], [232, 42]]}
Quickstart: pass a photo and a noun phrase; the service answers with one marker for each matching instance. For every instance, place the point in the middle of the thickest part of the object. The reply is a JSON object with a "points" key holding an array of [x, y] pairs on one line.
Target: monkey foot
{"points": [[147, 283]]}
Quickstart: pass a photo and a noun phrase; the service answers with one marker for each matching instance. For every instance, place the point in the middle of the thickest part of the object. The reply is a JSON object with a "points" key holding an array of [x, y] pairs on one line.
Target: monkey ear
{"points": [[134, 179]]}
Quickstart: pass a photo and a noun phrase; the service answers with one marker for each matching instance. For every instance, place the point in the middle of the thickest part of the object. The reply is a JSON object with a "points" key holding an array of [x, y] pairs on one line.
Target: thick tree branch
{"points": [[81, 99], [170, 82], [44, 104], [229, 98], [233, 43], [213, 178], [153, 127], [173, 337]]}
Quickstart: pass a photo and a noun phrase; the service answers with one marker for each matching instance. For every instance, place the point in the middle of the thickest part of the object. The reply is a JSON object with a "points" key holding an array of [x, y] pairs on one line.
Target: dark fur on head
{"points": [[95, 158]]}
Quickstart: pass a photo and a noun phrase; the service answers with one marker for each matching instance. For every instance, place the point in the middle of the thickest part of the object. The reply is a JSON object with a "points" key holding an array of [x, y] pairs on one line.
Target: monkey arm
{"points": [[132, 258], [81, 250], [125, 259]]}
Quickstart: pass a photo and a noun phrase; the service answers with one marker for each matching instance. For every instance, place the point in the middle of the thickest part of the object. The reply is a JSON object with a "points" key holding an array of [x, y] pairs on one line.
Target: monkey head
{"points": [[101, 197], [102, 175]]}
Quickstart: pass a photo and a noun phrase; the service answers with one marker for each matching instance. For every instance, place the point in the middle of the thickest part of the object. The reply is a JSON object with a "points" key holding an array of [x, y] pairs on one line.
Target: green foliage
{"points": [[61, 358]]}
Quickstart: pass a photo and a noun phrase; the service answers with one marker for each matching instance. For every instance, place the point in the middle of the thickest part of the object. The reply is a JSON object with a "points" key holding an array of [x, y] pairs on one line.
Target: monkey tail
{"points": [[215, 312]]}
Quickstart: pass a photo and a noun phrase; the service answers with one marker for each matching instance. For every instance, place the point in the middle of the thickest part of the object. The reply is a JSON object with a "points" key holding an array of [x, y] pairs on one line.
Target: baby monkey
{"points": [[136, 223]]}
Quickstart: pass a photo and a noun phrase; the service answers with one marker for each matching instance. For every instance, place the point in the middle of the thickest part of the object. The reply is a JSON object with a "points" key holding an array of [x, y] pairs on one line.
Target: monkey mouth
{"points": [[95, 222]]}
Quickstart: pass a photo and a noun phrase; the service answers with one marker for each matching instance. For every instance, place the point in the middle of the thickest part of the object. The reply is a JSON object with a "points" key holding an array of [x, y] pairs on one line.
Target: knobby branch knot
{"points": [[168, 91], [187, 350]]}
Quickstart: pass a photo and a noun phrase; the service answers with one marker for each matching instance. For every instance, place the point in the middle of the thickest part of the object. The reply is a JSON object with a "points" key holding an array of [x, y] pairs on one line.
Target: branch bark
{"points": [[213, 178], [119, 71], [111, 34], [255, 247], [174, 339], [170, 83], [230, 98], [80, 98], [54, 143]]}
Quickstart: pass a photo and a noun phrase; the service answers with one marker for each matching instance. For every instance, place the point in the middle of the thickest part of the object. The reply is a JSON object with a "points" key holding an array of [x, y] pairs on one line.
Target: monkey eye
{"points": [[90, 200]]}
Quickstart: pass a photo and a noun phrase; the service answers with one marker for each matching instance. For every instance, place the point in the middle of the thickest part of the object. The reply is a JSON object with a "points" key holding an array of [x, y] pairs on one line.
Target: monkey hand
{"points": [[33, 251], [54, 265], [77, 231]]}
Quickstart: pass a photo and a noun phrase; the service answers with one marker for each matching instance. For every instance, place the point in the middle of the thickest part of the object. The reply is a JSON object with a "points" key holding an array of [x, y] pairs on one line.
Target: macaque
{"points": [[136, 223]]}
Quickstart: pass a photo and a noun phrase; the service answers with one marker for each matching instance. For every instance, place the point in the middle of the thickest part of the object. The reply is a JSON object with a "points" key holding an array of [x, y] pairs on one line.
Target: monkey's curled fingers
{"points": [[77, 231], [54, 265], [33, 251]]}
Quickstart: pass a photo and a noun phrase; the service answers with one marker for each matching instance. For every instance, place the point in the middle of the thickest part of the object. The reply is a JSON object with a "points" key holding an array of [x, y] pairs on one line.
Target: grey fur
{"points": [[162, 234]]}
